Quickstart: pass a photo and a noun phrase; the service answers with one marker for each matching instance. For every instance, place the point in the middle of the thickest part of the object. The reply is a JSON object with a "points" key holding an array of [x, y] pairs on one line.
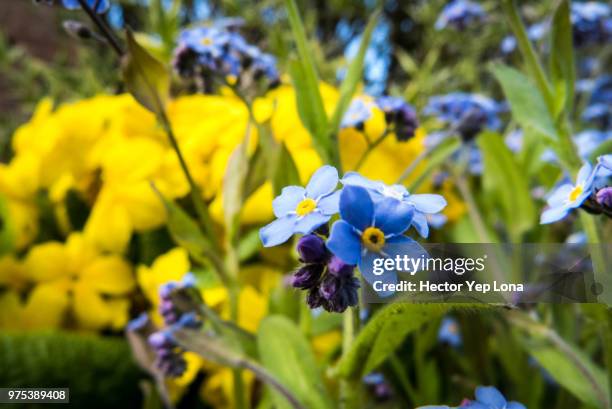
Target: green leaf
{"points": [[353, 75], [225, 351], [233, 187], [286, 354], [145, 77], [434, 158], [527, 105], [562, 68], [504, 177], [306, 101], [258, 171], [285, 173], [7, 233], [565, 372], [384, 333], [185, 231], [306, 81]]}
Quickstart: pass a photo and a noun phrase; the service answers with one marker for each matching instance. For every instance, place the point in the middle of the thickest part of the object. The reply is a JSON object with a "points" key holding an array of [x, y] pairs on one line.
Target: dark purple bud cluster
{"points": [[330, 282], [400, 117], [179, 305]]}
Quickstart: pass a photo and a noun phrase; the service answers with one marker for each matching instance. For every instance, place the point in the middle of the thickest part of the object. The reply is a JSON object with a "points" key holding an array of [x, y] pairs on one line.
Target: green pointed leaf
{"points": [[527, 105], [147, 79], [504, 178], [287, 355], [233, 187], [306, 82], [565, 372], [224, 351], [562, 68], [353, 75], [386, 331]]}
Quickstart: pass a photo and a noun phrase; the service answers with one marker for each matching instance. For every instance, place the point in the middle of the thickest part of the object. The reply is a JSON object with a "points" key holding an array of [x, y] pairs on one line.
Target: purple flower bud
{"points": [[165, 290], [190, 320], [345, 295], [139, 322], [314, 299], [339, 268], [161, 339], [604, 197], [329, 286], [311, 249], [307, 276]]}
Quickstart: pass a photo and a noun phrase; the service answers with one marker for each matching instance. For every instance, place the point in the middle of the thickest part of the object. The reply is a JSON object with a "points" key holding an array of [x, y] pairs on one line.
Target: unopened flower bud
{"points": [[311, 249], [604, 197], [307, 276]]}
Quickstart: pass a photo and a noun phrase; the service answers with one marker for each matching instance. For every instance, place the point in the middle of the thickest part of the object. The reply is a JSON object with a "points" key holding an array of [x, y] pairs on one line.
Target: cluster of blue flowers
{"points": [[179, 306], [467, 114], [400, 116], [591, 24], [372, 223], [487, 397], [101, 6], [599, 109], [221, 53], [590, 192], [460, 14]]}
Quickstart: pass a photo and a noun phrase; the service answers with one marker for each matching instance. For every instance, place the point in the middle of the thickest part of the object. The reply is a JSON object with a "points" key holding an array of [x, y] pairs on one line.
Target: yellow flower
{"points": [[76, 285]]}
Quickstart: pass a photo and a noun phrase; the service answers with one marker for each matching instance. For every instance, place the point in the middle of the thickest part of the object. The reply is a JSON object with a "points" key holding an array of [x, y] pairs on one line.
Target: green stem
{"points": [[402, 377], [466, 194], [348, 334], [196, 196], [370, 148], [103, 27]]}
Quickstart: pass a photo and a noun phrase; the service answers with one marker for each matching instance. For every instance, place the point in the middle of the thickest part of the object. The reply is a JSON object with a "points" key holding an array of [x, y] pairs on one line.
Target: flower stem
{"points": [[370, 148], [102, 26], [348, 334]]}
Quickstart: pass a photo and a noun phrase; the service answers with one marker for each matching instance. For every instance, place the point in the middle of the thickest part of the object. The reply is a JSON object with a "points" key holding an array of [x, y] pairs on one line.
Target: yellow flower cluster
{"points": [[108, 151]]}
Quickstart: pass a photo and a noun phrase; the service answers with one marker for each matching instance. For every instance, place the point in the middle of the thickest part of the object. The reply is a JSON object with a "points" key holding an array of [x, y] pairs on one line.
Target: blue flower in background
{"points": [[399, 115], [599, 114], [468, 114], [535, 33], [357, 113], [487, 397], [591, 22], [423, 204], [300, 210], [209, 42], [369, 230], [460, 14], [568, 197], [449, 332], [589, 140], [102, 5]]}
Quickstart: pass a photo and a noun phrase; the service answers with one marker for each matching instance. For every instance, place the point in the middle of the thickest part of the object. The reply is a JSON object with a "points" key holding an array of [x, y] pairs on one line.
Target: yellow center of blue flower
{"points": [[207, 41], [373, 238], [305, 206], [577, 191]]}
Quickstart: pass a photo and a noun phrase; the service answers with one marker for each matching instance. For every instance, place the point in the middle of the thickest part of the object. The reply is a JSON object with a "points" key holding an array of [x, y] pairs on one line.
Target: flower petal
{"points": [[278, 231], [322, 182], [402, 245], [428, 203], [419, 221], [584, 174], [366, 266], [355, 179], [560, 195], [393, 216], [309, 223], [330, 204], [554, 214], [490, 396], [356, 207], [288, 200], [344, 242], [109, 275]]}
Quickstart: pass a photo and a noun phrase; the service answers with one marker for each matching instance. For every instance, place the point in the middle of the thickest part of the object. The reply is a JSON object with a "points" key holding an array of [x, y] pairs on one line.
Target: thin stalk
{"points": [[103, 27], [413, 165], [370, 148], [402, 377], [196, 197], [348, 335], [466, 194]]}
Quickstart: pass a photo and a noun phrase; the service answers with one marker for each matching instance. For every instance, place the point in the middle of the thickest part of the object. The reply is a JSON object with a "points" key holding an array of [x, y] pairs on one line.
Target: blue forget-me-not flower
{"points": [[102, 5], [302, 210], [423, 204], [487, 397], [569, 196], [460, 14]]}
